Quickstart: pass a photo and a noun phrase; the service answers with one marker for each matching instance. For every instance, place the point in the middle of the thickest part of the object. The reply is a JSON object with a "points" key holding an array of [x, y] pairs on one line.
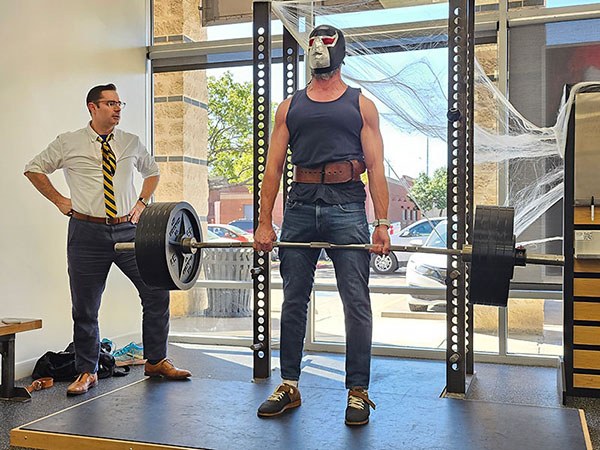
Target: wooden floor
{"points": [[216, 409]]}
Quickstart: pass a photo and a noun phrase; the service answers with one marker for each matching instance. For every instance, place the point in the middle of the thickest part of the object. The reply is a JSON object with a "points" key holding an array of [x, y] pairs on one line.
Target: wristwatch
{"points": [[383, 222], [143, 201]]}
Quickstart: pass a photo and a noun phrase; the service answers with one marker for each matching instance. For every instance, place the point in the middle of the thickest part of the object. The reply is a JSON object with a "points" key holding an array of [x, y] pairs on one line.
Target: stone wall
{"points": [[485, 178], [180, 128]]}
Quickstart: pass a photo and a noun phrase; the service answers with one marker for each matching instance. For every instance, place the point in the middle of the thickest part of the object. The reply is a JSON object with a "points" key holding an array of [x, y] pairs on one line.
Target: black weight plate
{"points": [[493, 257], [159, 255]]}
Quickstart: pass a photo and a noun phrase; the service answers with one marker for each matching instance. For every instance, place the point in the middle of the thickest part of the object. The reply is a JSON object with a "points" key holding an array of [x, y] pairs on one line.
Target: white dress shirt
{"points": [[79, 154]]}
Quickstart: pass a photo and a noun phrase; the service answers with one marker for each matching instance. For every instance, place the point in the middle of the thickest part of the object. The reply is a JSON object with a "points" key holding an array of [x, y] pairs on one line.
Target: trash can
{"points": [[229, 264]]}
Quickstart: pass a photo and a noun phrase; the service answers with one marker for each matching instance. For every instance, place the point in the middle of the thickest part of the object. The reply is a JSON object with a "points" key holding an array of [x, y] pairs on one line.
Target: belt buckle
{"points": [[107, 220]]}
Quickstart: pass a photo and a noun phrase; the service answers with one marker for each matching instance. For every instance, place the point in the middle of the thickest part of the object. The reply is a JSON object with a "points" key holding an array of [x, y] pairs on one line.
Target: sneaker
{"points": [[357, 412], [130, 355], [285, 397]]}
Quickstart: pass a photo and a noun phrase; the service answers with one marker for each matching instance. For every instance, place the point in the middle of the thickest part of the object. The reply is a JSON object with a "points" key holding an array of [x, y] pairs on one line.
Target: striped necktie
{"points": [[109, 165]]}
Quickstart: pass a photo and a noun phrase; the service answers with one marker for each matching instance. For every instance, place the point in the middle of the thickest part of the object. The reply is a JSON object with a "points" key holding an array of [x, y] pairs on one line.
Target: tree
{"points": [[430, 192], [230, 157], [230, 131]]}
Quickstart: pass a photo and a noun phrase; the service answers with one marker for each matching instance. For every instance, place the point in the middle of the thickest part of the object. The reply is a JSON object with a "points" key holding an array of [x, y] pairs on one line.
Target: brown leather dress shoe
{"points": [[83, 382], [165, 368]]}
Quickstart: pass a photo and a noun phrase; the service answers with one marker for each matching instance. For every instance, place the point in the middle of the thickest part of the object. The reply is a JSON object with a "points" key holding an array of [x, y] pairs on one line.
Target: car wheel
{"points": [[384, 264], [417, 308]]}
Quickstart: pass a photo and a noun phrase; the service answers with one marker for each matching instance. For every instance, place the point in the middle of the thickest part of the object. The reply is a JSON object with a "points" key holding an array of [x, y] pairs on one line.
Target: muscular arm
{"points": [[372, 144], [264, 235], [43, 184]]}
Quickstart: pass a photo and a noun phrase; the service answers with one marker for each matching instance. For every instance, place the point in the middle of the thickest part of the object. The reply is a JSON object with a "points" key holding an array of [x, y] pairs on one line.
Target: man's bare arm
{"points": [[43, 184], [148, 187], [264, 235], [372, 144]]}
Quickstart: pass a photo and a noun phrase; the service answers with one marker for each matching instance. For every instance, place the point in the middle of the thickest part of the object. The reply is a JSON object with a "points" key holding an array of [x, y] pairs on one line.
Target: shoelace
{"points": [[279, 393], [276, 396], [356, 402]]}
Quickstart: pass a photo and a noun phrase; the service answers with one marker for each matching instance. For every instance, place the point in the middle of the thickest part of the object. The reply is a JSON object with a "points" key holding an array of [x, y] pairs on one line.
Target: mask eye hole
{"points": [[328, 40]]}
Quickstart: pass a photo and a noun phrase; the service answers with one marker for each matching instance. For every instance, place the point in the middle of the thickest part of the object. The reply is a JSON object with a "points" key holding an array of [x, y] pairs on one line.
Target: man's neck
{"points": [[326, 90], [335, 82], [101, 130]]}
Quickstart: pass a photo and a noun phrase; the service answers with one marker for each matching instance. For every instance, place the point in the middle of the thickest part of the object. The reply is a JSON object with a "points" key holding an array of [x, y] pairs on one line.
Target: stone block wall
{"points": [[181, 128], [485, 178]]}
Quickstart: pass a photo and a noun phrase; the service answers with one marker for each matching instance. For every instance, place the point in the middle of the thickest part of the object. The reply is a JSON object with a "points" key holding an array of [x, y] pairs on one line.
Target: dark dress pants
{"points": [[90, 254]]}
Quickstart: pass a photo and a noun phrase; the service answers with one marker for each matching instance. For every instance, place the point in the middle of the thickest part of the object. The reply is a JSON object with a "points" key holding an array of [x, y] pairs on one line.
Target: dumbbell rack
{"points": [[581, 285]]}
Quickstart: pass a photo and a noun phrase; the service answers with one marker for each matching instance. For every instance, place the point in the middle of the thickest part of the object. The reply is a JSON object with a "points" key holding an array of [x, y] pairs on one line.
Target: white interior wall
{"points": [[52, 54]]}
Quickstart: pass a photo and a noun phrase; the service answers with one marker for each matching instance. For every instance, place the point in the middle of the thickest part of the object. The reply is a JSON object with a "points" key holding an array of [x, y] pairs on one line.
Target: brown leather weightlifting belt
{"points": [[330, 173], [40, 383], [105, 220]]}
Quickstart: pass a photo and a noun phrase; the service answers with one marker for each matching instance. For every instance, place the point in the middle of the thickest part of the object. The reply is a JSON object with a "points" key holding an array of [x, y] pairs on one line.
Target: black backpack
{"points": [[61, 365]]}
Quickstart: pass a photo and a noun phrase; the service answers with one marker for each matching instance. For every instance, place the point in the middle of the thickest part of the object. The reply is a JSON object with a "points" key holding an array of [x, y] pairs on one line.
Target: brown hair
{"points": [[96, 92]]}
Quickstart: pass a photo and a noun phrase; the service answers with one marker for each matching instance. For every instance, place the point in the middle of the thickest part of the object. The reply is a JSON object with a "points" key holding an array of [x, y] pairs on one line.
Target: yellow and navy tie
{"points": [[109, 166]]}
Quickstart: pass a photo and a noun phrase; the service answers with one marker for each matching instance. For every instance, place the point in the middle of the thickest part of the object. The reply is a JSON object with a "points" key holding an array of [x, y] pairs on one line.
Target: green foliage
{"points": [[230, 130], [430, 192]]}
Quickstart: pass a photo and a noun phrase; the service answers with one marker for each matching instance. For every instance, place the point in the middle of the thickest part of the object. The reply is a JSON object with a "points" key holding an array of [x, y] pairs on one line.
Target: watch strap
{"points": [[384, 222]]}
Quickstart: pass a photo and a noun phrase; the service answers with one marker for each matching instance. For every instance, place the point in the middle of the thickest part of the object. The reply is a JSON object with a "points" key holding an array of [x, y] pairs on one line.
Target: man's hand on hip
{"points": [[64, 205], [134, 214]]}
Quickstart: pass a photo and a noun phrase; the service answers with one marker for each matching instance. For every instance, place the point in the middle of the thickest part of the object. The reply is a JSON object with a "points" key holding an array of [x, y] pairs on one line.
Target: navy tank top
{"points": [[322, 132]]}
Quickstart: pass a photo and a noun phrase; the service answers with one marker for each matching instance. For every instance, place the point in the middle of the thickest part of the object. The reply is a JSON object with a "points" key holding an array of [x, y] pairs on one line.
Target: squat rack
{"points": [[459, 322]]}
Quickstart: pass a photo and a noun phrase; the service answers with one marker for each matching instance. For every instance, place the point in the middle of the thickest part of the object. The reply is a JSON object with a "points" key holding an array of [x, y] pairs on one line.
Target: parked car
{"points": [[414, 235], [428, 270], [230, 231], [210, 236], [245, 224]]}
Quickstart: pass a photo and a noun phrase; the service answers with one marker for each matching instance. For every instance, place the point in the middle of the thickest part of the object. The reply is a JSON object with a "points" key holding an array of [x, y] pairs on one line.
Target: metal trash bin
{"points": [[228, 264]]}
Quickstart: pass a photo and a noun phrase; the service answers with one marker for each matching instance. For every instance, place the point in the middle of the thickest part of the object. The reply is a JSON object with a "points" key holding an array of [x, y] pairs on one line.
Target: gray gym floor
{"points": [[509, 407]]}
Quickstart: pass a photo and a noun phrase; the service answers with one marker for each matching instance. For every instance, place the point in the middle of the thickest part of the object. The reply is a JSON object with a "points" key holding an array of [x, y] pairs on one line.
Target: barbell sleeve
{"points": [[124, 246], [545, 260]]}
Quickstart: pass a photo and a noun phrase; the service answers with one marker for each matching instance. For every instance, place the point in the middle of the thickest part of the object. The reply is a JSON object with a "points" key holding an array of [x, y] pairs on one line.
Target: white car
{"points": [[230, 231], [210, 236], [429, 270], [414, 235]]}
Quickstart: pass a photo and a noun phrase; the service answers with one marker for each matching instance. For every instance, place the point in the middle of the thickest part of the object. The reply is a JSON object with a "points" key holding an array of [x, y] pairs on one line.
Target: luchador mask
{"points": [[326, 49]]}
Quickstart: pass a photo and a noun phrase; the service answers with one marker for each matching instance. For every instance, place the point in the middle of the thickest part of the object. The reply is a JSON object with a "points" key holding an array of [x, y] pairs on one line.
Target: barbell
{"points": [[168, 249]]}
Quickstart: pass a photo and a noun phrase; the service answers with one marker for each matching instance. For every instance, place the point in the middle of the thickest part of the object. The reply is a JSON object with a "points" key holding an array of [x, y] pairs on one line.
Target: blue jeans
{"points": [[338, 224], [90, 254]]}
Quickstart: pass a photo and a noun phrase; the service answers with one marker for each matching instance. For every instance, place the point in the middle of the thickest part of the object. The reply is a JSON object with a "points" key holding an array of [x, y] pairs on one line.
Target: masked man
{"points": [[333, 132]]}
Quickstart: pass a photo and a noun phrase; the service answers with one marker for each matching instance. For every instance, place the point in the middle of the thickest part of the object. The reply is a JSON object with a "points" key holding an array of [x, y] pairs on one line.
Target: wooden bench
{"points": [[8, 329]]}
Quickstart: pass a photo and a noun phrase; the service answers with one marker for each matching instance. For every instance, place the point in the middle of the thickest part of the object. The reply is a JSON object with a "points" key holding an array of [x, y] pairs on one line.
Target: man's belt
{"points": [[105, 220], [330, 173]]}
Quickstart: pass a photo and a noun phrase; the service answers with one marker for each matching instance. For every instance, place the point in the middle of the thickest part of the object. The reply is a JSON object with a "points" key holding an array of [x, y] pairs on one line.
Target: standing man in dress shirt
{"points": [[99, 162]]}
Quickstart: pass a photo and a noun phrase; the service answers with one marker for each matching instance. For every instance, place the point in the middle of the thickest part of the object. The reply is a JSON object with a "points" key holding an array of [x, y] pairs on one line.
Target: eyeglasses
{"points": [[112, 103]]}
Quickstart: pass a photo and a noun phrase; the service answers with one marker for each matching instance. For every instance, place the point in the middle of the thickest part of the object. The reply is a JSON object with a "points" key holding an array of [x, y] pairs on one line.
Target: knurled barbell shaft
{"points": [[465, 253], [192, 243]]}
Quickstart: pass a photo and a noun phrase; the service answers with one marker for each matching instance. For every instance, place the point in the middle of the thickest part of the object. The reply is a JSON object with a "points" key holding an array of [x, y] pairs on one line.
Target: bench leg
{"points": [[8, 391]]}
